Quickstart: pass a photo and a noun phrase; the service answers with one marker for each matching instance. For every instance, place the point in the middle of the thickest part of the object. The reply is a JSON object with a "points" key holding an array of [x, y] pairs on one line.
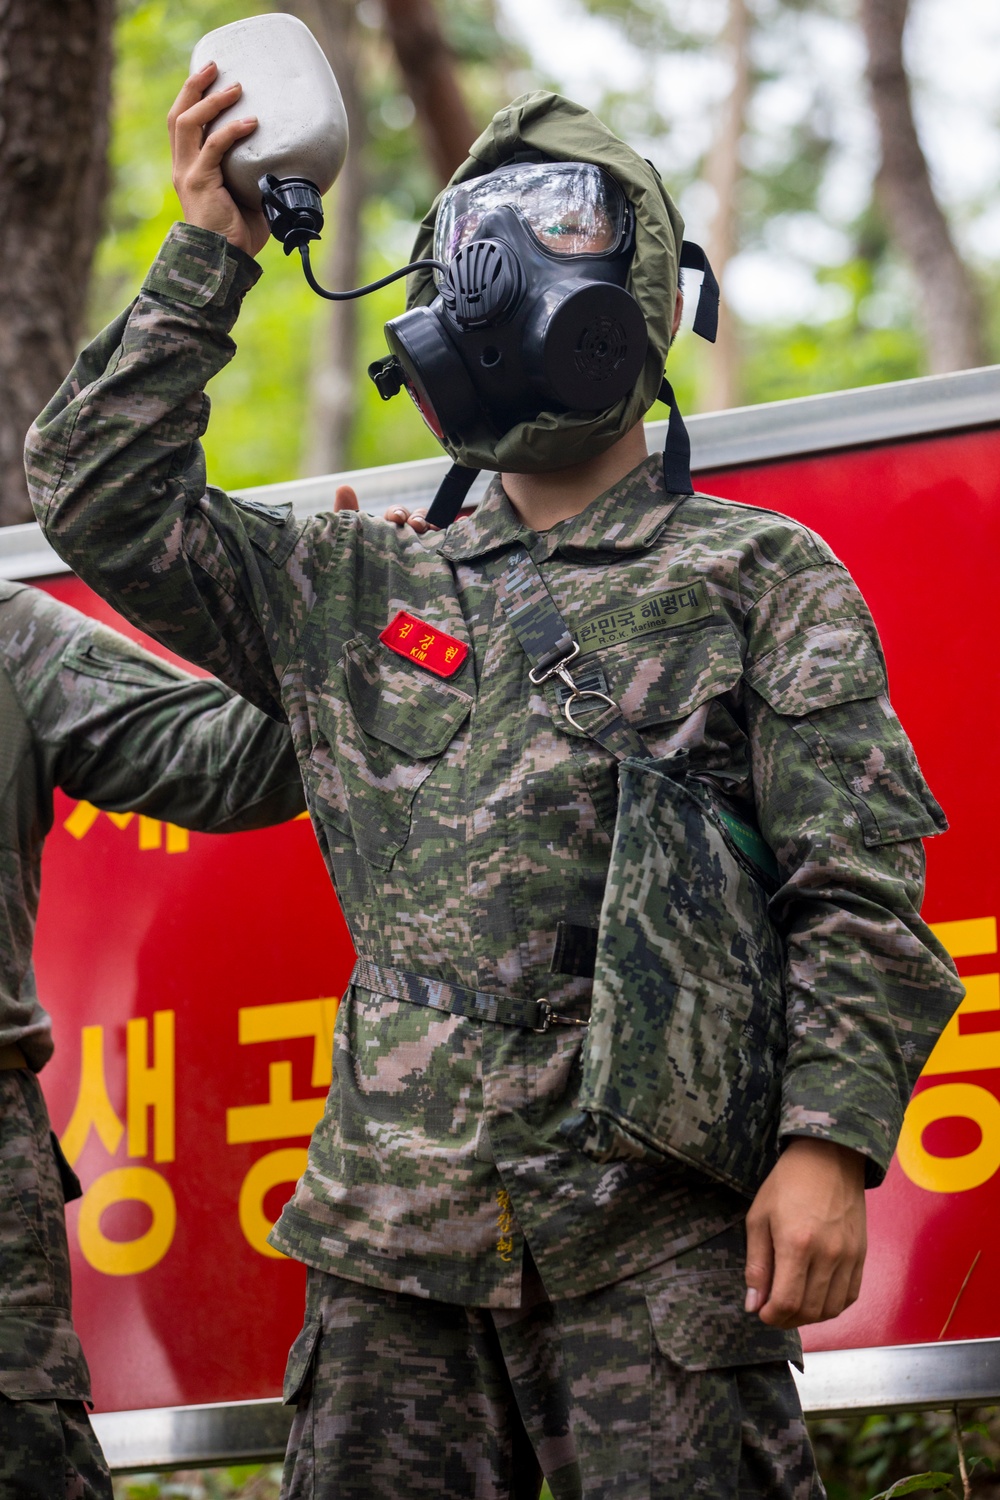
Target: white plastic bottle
{"points": [[289, 85]]}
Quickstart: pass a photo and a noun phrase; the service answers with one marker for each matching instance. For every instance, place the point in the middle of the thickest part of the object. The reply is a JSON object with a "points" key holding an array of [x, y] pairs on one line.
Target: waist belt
{"points": [[456, 1000], [11, 1056]]}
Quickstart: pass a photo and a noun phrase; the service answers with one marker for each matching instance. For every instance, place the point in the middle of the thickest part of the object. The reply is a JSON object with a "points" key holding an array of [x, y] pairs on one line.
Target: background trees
{"points": [[55, 71], [838, 270]]}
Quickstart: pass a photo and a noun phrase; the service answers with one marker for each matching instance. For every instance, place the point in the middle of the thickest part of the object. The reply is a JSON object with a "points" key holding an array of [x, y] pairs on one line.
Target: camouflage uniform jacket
{"points": [[461, 819], [84, 709]]}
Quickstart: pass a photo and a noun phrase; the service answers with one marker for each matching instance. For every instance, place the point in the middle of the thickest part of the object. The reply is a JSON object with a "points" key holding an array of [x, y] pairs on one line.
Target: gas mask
{"points": [[532, 312], [540, 299]]}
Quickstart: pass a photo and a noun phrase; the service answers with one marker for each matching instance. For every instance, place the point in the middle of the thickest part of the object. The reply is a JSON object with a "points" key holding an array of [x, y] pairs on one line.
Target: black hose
{"points": [[373, 286]]}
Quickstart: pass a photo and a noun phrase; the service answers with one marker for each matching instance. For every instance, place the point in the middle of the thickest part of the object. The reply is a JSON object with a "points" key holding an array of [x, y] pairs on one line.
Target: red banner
{"points": [[194, 981]]}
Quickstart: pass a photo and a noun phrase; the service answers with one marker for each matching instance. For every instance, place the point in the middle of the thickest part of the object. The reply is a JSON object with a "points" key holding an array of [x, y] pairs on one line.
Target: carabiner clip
{"points": [[586, 693]]}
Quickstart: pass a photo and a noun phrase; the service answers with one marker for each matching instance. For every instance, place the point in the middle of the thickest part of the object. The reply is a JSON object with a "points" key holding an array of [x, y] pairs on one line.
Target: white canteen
{"points": [[289, 85]]}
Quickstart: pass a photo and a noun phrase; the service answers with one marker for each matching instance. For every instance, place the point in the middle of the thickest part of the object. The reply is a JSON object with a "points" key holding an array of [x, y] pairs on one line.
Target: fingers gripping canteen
{"points": [[541, 293]]}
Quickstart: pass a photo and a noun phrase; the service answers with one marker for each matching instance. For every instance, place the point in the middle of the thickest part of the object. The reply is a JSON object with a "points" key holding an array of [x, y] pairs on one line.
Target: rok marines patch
{"points": [[678, 606]]}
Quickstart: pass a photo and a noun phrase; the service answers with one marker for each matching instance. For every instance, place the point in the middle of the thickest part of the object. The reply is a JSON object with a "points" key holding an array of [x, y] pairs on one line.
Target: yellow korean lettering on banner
{"points": [[153, 834], [961, 1048], [150, 1089], [282, 1116]]}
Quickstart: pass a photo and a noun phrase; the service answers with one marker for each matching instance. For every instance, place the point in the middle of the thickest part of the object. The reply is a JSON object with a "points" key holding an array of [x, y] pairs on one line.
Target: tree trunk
{"points": [[55, 84], [333, 386], [724, 173], [949, 305], [427, 64]]}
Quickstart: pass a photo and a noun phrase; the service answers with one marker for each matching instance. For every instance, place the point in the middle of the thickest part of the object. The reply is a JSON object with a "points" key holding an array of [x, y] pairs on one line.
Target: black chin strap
{"points": [[677, 448], [450, 496]]}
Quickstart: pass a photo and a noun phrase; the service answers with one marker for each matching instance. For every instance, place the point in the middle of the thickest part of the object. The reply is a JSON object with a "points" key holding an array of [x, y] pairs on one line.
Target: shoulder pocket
{"points": [[381, 728], [699, 1323], [830, 683], [271, 528]]}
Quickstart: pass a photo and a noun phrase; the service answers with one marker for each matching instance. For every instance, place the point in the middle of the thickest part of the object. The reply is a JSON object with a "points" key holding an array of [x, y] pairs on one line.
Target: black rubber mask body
{"points": [[517, 330]]}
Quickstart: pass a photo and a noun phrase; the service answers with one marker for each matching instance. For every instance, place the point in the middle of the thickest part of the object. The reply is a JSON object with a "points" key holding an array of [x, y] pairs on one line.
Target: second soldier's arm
{"points": [[126, 731]]}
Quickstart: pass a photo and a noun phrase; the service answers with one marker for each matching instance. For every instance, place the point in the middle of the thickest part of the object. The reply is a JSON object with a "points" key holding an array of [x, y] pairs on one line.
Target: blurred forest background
{"points": [[840, 160]]}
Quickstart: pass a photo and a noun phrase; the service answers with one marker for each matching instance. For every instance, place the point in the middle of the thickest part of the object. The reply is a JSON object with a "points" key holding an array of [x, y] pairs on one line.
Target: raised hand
{"points": [[197, 162]]}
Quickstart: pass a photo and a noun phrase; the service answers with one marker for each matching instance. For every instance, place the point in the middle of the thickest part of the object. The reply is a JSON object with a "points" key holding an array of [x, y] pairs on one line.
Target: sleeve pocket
{"points": [[699, 1323], [830, 683], [121, 662], [298, 1370]]}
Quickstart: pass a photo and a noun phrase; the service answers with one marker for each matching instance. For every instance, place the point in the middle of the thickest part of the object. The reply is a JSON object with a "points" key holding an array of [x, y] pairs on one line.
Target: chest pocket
{"points": [[381, 729], [660, 683], [830, 682]]}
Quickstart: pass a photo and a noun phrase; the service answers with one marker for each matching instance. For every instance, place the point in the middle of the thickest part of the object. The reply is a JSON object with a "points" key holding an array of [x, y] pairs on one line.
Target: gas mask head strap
{"points": [[706, 316]]}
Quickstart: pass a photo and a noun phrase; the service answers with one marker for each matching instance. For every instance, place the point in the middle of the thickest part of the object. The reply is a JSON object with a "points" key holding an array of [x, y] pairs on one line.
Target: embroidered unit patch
{"points": [[424, 644], [679, 606]]}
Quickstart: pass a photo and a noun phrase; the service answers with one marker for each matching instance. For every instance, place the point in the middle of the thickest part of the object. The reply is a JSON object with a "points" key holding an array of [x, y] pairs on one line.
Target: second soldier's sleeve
{"points": [[130, 733], [843, 804], [117, 477]]}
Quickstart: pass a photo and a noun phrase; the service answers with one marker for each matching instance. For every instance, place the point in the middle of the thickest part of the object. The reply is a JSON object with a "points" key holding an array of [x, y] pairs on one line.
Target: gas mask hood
{"points": [[542, 333]]}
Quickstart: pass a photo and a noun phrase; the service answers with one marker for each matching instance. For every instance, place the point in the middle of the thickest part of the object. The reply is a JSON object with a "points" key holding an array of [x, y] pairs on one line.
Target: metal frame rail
{"points": [[835, 1382], [839, 1382]]}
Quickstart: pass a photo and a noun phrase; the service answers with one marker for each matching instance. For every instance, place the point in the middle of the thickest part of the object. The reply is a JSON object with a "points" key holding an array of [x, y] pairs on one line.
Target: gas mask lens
{"points": [[571, 208]]}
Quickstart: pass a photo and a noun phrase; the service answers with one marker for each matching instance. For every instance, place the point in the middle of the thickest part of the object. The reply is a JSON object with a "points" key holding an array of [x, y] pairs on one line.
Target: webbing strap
{"points": [[455, 1000], [548, 643]]}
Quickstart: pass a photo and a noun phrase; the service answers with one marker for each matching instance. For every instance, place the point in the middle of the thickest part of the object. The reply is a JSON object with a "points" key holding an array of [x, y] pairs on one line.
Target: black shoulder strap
{"points": [[549, 645], [451, 494]]}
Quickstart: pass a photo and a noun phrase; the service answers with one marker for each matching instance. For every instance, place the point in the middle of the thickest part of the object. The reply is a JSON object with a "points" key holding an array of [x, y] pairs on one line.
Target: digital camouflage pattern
{"points": [[658, 1387], [689, 971], [464, 821], [84, 709], [47, 1446]]}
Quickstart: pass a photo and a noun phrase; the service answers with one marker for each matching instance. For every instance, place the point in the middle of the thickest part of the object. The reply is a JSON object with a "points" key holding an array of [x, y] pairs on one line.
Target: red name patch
{"points": [[424, 644]]}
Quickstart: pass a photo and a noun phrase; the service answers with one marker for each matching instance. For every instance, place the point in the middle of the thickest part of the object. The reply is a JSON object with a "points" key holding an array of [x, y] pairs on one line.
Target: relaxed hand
{"points": [[806, 1235], [346, 499], [197, 162]]}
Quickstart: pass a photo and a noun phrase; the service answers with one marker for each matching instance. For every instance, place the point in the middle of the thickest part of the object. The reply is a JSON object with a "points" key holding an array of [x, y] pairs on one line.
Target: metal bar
{"points": [[836, 1382], [174, 1437], [901, 1377], [748, 435]]}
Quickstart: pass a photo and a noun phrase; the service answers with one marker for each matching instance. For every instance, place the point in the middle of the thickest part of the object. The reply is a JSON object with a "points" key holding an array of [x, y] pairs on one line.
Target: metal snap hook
{"points": [[538, 675]]}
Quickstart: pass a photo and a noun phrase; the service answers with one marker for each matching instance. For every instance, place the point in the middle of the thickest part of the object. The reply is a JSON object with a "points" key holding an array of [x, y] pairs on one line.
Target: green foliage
{"points": [[917, 1484], [861, 1457], [243, 1482], [872, 341]]}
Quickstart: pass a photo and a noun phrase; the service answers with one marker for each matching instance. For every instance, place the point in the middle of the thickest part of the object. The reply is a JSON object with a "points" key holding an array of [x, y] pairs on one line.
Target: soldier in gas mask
{"points": [[504, 1280]]}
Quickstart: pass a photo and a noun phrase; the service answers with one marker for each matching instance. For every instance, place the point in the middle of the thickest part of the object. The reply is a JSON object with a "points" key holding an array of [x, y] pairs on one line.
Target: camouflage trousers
{"points": [[658, 1387], [48, 1448]]}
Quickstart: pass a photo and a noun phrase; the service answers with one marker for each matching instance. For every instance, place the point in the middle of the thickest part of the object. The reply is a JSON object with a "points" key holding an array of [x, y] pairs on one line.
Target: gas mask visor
{"points": [[571, 208]]}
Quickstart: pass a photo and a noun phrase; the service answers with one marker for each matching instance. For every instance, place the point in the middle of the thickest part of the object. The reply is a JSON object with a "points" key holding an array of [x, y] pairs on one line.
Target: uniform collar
{"points": [[626, 518]]}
